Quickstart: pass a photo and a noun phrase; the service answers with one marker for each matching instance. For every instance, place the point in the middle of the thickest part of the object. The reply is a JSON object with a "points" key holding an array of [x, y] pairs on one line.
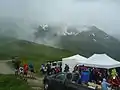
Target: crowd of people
{"points": [[51, 68], [98, 76], [23, 70], [82, 74]]}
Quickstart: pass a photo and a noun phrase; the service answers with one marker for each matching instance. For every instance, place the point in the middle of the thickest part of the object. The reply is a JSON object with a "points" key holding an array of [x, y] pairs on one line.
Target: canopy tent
{"points": [[102, 61], [73, 61]]}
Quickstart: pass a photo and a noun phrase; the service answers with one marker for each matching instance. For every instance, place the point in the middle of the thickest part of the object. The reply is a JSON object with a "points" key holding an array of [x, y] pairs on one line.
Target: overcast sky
{"points": [[103, 13]]}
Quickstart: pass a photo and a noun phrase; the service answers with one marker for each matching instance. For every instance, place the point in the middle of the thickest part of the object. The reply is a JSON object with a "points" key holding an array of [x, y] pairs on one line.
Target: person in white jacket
{"points": [[21, 71]]}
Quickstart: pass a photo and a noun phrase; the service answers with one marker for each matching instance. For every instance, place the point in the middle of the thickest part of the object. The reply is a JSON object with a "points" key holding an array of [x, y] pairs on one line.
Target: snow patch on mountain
{"points": [[66, 30], [93, 34], [75, 31], [44, 26], [94, 40]]}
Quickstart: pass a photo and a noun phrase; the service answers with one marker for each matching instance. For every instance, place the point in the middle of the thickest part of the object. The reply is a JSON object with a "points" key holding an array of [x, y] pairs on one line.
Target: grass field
{"points": [[30, 52], [10, 82]]}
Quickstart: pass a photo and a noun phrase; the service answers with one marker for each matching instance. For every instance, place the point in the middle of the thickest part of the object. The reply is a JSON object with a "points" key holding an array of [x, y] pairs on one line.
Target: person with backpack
{"points": [[31, 68]]}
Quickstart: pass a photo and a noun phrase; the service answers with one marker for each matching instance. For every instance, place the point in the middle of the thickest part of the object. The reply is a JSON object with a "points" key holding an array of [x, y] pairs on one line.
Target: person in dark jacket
{"points": [[17, 64], [66, 68], [118, 71], [76, 77], [48, 69]]}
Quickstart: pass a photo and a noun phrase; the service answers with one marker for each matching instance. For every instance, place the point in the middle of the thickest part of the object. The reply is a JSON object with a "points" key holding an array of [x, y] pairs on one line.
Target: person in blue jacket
{"points": [[104, 85], [31, 68]]}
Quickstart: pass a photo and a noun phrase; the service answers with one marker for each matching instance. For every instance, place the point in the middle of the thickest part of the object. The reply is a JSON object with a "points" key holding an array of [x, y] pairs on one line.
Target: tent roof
{"points": [[102, 61], [75, 57], [73, 61]]}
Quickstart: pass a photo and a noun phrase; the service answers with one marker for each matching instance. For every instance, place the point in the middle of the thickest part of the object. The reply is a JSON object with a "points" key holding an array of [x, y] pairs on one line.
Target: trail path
{"points": [[4, 67], [36, 84]]}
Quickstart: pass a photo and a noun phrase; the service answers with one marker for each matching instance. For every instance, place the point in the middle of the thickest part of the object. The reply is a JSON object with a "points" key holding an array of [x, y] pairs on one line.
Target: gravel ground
{"points": [[4, 67]]}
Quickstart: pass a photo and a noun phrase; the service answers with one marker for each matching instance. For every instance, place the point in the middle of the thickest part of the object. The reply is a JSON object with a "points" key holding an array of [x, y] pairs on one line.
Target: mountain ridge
{"points": [[85, 40], [92, 40]]}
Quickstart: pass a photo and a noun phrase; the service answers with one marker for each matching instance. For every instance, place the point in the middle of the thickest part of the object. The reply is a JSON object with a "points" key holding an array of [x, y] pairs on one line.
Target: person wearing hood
{"points": [[104, 85]]}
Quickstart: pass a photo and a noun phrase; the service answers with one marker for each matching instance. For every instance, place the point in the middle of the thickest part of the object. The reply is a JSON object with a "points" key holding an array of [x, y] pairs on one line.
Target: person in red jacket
{"points": [[25, 70], [57, 69], [116, 82]]}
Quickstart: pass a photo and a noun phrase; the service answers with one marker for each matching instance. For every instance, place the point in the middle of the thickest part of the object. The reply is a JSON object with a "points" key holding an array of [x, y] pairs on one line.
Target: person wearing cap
{"points": [[104, 84]]}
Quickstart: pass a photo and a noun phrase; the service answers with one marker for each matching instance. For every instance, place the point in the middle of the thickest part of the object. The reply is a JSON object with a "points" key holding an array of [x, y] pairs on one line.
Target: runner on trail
{"points": [[21, 70], [31, 68], [42, 68], [16, 72], [25, 70], [17, 65]]}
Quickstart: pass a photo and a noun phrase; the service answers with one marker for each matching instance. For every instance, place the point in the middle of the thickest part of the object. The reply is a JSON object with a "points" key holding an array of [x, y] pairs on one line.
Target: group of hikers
{"points": [[51, 68], [23, 70]]}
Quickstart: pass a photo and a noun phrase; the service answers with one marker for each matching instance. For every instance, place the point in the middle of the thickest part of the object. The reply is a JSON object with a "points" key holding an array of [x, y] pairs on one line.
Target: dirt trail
{"points": [[4, 67], [36, 84]]}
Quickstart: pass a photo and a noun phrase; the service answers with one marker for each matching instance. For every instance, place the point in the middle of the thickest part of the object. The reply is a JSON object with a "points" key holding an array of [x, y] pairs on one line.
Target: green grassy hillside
{"points": [[29, 51], [9, 82]]}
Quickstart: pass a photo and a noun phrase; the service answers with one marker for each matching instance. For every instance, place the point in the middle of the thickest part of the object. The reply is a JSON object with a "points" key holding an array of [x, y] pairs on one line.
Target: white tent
{"points": [[73, 61], [102, 61]]}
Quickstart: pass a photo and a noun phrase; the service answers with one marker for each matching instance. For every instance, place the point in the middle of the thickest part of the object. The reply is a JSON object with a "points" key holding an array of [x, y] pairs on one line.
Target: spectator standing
{"points": [[66, 69], [76, 76], [48, 69], [31, 69], [104, 85]]}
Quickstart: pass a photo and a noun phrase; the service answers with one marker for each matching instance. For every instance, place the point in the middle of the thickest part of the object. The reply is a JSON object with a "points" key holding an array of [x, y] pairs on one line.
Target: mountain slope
{"points": [[85, 40], [29, 51], [92, 41]]}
